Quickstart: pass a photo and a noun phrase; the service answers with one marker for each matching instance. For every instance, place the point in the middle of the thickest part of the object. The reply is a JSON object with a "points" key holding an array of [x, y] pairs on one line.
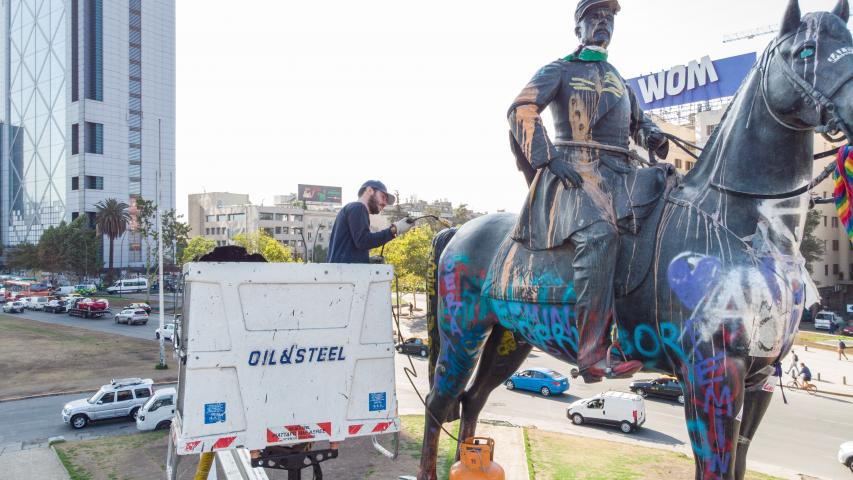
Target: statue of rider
{"points": [[575, 177]]}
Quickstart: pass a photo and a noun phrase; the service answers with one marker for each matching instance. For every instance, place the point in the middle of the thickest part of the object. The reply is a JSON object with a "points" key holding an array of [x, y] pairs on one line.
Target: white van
{"points": [[65, 290], [129, 286], [158, 411], [824, 320], [627, 410]]}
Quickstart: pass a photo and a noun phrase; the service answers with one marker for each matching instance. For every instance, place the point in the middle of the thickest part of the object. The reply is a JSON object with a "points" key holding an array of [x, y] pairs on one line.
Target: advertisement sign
{"points": [[849, 308], [320, 194], [698, 81]]}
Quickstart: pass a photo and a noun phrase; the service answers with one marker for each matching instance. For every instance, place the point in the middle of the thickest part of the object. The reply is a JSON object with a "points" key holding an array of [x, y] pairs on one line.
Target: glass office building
{"points": [[88, 96]]}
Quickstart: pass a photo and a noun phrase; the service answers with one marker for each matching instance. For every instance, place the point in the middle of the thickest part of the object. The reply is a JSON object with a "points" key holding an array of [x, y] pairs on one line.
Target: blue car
{"points": [[542, 380]]}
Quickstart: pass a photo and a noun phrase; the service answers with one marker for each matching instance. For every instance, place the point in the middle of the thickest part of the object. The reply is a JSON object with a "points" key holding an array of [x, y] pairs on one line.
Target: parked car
{"points": [[626, 410], [86, 308], [845, 454], [825, 320], [848, 330], [86, 288], [413, 346], [158, 411], [122, 397], [64, 290], [143, 306], [131, 285], [16, 306], [37, 303], [543, 380], [167, 331], [132, 316], [665, 387], [55, 306], [25, 301]]}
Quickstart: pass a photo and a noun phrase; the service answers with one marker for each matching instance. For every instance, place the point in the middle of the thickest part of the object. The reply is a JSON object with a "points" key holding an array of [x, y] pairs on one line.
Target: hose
{"points": [[204, 464]]}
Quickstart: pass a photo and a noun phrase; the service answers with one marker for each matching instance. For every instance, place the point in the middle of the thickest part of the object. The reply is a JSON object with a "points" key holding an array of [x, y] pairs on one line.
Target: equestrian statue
{"points": [[617, 268]]}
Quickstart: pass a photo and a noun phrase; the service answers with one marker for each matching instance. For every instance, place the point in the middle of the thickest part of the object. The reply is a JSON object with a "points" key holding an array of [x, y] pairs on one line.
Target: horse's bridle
{"points": [[808, 93], [811, 96]]}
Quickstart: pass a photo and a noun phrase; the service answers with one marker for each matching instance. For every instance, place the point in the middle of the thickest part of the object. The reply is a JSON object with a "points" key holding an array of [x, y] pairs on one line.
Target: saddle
{"points": [[519, 274]]}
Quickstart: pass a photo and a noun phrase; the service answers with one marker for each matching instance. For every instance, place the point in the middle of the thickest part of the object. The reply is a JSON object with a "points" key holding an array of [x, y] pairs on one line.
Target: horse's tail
{"points": [[439, 243]]}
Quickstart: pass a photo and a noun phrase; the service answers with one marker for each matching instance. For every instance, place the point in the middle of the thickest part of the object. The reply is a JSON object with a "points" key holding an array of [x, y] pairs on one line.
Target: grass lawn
{"points": [[37, 357], [566, 457], [819, 338]]}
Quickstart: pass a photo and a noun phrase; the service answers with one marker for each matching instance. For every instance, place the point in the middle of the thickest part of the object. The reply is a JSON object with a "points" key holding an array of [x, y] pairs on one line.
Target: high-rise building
{"points": [[88, 113]]}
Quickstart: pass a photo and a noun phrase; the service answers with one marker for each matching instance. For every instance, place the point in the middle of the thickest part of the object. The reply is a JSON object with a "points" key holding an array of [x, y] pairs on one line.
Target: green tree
{"points": [[112, 219], [175, 235], [146, 226], [53, 248], [83, 254], [319, 254], [24, 256], [462, 214], [409, 254], [811, 247], [196, 247], [263, 243]]}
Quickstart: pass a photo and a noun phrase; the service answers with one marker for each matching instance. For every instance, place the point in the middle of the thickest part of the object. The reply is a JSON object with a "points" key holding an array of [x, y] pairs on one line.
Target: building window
{"points": [[835, 245], [709, 130], [835, 269], [75, 138], [689, 166], [268, 231], [285, 230], [210, 218], [94, 53], [95, 138], [266, 216], [278, 230], [75, 183], [297, 218], [834, 222], [826, 270], [824, 217], [678, 163], [75, 56], [94, 183], [221, 218]]}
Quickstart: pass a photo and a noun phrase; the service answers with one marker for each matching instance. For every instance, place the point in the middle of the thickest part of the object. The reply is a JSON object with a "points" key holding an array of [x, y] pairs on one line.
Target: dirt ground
{"points": [[142, 457], [37, 357], [564, 457]]}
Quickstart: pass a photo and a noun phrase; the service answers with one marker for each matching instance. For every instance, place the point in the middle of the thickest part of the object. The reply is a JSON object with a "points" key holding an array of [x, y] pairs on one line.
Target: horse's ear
{"points": [[842, 10], [791, 20]]}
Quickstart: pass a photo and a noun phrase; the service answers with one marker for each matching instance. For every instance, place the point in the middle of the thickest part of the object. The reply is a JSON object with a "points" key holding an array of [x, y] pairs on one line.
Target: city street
{"points": [[801, 437]]}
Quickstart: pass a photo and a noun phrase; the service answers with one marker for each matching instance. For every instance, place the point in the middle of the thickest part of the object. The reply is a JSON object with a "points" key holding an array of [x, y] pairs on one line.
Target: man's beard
{"points": [[372, 205]]}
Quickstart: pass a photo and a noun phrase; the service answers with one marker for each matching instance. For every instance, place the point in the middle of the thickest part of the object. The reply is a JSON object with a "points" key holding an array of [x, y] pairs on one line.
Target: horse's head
{"points": [[807, 71]]}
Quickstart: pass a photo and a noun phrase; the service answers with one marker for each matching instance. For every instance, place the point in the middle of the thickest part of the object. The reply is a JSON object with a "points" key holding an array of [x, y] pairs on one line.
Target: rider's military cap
{"points": [[585, 5]]}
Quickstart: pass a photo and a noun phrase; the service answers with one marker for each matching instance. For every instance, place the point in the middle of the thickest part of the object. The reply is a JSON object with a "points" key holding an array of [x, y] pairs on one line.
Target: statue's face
{"points": [[596, 27]]}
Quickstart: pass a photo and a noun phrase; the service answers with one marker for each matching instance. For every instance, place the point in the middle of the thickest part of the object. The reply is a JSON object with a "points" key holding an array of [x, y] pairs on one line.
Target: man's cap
{"points": [[377, 185], [586, 5]]}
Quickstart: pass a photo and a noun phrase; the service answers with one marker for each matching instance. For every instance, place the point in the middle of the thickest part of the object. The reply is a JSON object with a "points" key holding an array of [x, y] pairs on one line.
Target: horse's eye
{"points": [[806, 52]]}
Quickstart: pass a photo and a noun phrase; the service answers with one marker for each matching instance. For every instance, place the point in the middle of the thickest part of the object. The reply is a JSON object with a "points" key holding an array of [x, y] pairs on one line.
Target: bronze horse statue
{"points": [[711, 288]]}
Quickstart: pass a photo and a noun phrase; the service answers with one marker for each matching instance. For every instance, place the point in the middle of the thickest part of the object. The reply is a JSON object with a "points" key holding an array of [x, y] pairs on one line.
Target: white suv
{"points": [[120, 398]]}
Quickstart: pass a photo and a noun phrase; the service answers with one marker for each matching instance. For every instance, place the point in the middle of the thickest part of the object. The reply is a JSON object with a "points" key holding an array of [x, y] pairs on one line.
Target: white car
{"points": [[845, 454], [123, 397], [622, 409], [158, 411], [37, 303], [132, 316], [167, 331], [13, 307]]}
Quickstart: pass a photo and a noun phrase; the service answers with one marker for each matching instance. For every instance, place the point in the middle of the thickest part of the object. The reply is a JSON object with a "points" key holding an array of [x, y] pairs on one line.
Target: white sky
{"points": [[273, 93]]}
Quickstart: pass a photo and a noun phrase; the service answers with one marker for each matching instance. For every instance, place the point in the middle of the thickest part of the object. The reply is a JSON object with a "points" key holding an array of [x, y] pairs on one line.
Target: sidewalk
{"points": [[40, 462], [828, 373]]}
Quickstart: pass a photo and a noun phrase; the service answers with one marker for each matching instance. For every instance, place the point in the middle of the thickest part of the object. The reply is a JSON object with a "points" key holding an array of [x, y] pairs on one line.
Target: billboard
{"points": [[320, 194], [698, 81]]}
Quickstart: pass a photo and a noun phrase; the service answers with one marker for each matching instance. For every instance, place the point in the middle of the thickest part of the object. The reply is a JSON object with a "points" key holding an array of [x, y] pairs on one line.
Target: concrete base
{"points": [[32, 463]]}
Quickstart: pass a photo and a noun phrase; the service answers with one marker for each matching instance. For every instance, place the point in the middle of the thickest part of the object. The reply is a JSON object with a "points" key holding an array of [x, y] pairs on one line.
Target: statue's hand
{"points": [[564, 171], [658, 143]]}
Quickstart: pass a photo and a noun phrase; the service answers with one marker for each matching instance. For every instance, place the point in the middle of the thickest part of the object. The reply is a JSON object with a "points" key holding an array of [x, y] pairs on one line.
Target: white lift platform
{"points": [[276, 355]]}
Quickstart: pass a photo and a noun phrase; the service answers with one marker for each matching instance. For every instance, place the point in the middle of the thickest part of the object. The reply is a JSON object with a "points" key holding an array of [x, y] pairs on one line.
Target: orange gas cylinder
{"points": [[477, 461]]}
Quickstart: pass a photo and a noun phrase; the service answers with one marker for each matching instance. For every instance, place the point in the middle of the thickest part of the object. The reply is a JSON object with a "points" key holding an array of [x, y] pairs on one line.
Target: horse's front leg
{"points": [[713, 409]]}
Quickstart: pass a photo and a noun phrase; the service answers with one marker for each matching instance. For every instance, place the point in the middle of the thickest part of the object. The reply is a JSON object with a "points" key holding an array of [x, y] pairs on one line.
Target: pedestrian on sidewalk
{"points": [[793, 367], [841, 347]]}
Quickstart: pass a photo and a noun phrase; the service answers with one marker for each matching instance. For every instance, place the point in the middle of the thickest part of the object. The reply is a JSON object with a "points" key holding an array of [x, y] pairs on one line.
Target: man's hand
{"points": [[403, 226], [658, 143], [568, 175]]}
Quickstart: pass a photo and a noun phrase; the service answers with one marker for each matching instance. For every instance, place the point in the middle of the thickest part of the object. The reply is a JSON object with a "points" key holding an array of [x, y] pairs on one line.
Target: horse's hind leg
{"points": [[456, 362], [755, 403], [501, 357]]}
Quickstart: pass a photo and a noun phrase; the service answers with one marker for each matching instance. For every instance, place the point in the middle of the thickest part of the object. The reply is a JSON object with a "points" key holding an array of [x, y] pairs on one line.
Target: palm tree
{"points": [[112, 219]]}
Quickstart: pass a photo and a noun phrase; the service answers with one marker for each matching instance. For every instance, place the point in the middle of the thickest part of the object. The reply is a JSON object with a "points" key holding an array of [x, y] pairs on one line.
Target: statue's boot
{"points": [[594, 268]]}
